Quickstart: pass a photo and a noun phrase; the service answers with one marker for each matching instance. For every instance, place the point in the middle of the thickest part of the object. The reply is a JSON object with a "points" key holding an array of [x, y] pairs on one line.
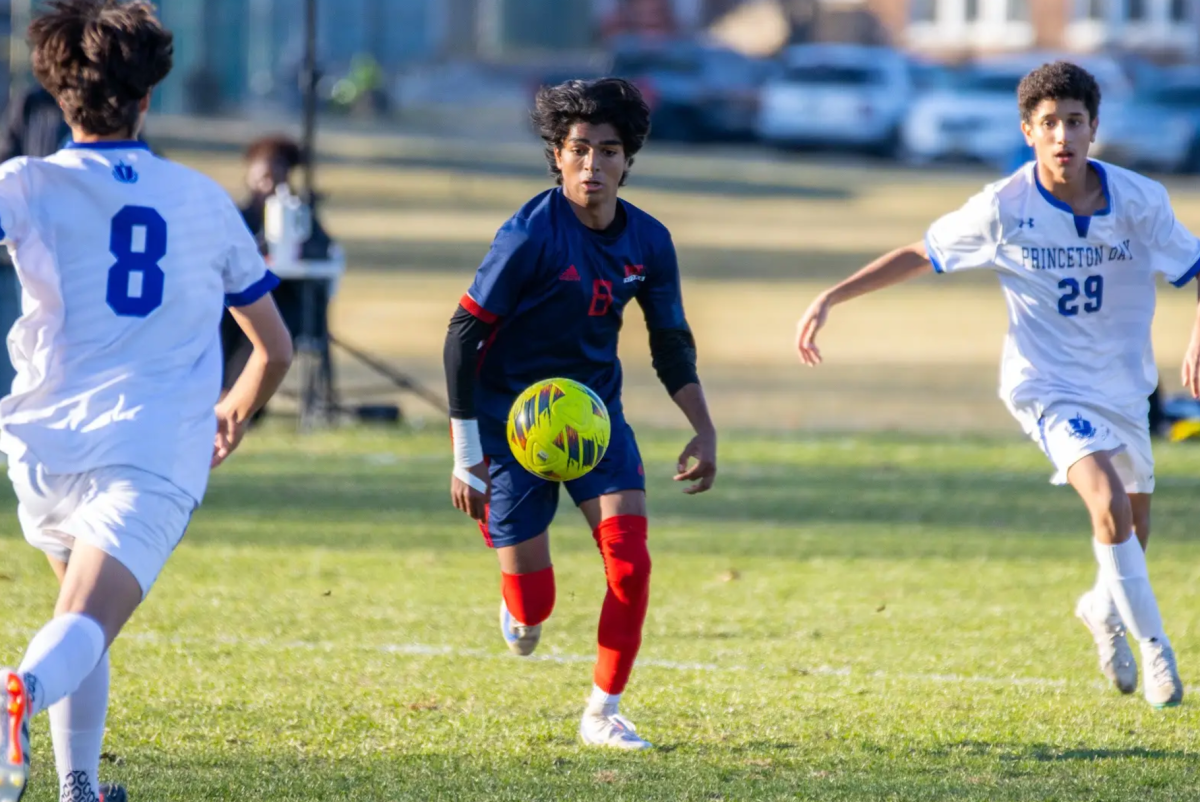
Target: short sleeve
{"points": [[14, 208], [244, 272], [967, 238], [1174, 251], [504, 273], [660, 296]]}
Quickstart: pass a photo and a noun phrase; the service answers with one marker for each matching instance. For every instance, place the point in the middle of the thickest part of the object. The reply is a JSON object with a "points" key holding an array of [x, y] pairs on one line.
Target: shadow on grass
{"points": [[805, 506], [565, 773]]}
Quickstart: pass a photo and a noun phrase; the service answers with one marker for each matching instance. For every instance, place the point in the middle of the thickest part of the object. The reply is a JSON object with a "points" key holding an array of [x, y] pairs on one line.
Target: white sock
{"points": [[1102, 601], [77, 729], [1123, 567], [603, 702], [59, 658]]}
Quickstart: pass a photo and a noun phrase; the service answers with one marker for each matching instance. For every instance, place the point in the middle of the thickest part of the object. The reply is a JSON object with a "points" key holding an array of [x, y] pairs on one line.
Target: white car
{"points": [[976, 116], [836, 95]]}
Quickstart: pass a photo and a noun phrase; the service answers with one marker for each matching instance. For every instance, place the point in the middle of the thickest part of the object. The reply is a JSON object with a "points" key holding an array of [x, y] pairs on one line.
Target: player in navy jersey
{"points": [[549, 300]]}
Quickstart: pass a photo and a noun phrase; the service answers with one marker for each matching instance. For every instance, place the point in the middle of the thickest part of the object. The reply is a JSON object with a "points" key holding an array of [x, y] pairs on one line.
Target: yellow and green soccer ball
{"points": [[558, 429]]}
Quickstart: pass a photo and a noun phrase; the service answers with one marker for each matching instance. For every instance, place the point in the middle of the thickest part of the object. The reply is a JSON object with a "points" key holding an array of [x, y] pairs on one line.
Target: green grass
{"points": [[843, 618]]}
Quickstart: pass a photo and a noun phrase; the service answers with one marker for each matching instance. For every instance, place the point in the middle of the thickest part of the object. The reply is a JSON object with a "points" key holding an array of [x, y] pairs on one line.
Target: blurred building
{"points": [[1165, 30]]}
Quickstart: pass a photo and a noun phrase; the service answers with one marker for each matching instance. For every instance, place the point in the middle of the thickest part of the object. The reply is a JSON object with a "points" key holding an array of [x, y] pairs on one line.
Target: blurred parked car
{"points": [[697, 92], [1158, 129], [976, 117], [837, 95]]}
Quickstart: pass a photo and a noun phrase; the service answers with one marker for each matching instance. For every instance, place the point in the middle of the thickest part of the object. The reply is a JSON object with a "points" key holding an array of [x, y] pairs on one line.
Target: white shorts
{"points": [[135, 517], [1068, 431]]}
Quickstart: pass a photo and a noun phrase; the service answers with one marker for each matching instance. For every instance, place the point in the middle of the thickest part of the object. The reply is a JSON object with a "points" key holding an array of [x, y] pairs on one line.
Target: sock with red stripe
{"points": [[622, 542], [529, 597]]}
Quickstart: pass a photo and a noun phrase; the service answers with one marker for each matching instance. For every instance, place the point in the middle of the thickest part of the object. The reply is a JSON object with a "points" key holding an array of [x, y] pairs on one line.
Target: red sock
{"points": [[529, 597], [622, 542]]}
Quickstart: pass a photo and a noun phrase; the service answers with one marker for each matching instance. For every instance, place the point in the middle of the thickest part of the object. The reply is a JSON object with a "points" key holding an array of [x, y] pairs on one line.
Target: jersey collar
{"points": [[131, 144], [1082, 221]]}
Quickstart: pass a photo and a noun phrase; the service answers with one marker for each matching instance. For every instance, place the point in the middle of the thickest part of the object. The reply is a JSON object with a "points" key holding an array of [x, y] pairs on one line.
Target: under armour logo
{"points": [[1025, 222]]}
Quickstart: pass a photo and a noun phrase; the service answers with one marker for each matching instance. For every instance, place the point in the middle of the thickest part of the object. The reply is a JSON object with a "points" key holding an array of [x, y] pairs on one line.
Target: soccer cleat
{"points": [[613, 730], [521, 639], [113, 793], [1116, 658], [14, 737], [1163, 688]]}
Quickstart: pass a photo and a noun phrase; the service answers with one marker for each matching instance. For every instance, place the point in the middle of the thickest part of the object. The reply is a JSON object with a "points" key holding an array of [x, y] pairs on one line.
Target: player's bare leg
{"points": [[97, 597], [618, 521], [1123, 570], [527, 596]]}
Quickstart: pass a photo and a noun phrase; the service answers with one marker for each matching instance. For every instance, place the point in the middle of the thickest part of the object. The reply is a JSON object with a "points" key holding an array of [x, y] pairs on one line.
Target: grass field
{"points": [[863, 617], [873, 604]]}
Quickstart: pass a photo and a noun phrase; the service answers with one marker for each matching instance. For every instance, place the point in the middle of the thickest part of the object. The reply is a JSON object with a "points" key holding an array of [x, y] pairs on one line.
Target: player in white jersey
{"points": [[114, 419], [1077, 245]]}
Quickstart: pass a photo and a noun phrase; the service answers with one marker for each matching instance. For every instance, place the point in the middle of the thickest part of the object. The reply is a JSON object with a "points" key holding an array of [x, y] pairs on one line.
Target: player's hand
{"points": [[1191, 367], [702, 449], [806, 330], [466, 498], [229, 435]]}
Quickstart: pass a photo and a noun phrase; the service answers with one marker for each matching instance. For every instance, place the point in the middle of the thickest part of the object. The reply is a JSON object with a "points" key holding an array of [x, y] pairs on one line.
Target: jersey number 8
{"points": [[1093, 292], [138, 240]]}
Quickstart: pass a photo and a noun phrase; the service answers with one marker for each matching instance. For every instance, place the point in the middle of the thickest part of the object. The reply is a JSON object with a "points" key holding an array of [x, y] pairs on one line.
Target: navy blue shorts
{"points": [[523, 505]]}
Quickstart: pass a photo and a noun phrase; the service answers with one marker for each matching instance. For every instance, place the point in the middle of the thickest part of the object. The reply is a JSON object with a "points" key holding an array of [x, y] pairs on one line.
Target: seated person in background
{"points": [[270, 161]]}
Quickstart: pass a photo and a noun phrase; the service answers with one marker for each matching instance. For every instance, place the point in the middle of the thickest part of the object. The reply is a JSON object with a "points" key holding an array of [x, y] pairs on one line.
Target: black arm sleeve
{"points": [[673, 353], [460, 356]]}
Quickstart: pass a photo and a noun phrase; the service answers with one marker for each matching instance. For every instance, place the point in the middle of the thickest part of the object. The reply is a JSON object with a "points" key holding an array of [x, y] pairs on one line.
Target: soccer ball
{"points": [[558, 429]]}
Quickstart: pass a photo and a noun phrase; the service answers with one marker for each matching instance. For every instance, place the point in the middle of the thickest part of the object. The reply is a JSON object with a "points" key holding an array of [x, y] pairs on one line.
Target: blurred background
{"points": [[793, 140]]}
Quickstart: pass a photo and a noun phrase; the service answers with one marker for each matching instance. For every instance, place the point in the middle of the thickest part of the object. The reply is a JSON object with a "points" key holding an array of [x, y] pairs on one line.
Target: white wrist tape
{"points": [[468, 452]]}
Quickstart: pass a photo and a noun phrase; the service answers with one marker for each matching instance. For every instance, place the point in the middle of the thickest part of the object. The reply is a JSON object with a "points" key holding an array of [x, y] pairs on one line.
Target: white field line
{"points": [[458, 653]]}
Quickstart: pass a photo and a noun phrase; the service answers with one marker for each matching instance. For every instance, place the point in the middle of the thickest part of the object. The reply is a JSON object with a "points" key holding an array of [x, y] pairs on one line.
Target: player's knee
{"points": [[622, 541], [1112, 517]]}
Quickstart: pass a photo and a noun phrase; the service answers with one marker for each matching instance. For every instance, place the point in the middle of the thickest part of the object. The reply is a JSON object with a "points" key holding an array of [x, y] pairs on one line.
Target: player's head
{"points": [[592, 131], [269, 162], [100, 59], [1060, 106]]}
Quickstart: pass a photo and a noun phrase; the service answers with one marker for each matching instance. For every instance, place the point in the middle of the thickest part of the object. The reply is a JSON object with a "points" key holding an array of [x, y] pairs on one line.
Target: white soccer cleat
{"points": [[612, 730], [1116, 658], [521, 639], [1163, 688], [14, 737]]}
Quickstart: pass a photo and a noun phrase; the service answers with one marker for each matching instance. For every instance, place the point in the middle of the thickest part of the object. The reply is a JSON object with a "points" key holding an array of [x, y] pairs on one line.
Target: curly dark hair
{"points": [[276, 146], [1060, 80], [612, 101], [100, 59]]}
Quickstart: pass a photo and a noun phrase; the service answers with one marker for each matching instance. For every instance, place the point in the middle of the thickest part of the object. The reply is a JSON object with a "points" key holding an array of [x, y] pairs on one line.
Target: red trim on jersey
{"points": [[468, 303]]}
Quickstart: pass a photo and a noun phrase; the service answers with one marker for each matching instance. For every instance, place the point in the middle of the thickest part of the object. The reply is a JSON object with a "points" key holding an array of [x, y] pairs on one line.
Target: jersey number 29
{"points": [[138, 240], [1093, 293]]}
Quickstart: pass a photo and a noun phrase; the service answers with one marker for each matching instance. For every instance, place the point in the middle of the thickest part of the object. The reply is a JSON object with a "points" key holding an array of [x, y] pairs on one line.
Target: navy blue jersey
{"points": [[558, 292]]}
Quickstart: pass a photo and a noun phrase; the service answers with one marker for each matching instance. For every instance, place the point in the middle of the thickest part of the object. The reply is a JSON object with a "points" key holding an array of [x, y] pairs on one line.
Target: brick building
{"points": [[1165, 30]]}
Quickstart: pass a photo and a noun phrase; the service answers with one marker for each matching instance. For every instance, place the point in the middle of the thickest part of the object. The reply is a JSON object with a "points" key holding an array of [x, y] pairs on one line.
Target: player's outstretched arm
{"points": [[900, 265], [264, 372], [1191, 360]]}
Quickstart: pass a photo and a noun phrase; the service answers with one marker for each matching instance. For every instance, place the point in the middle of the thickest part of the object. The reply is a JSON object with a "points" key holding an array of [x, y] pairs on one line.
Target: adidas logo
{"points": [[570, 274]]}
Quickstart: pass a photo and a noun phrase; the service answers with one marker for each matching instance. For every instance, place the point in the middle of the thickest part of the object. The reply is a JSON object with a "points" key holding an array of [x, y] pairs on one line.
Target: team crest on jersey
{"points": [[1081, 428], [125, 174], [634, 273]]}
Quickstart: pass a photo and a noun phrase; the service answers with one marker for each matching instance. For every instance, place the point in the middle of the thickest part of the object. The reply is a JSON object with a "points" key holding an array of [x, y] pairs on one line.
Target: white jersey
{"points": [[1080, 290], [125, 261]]}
